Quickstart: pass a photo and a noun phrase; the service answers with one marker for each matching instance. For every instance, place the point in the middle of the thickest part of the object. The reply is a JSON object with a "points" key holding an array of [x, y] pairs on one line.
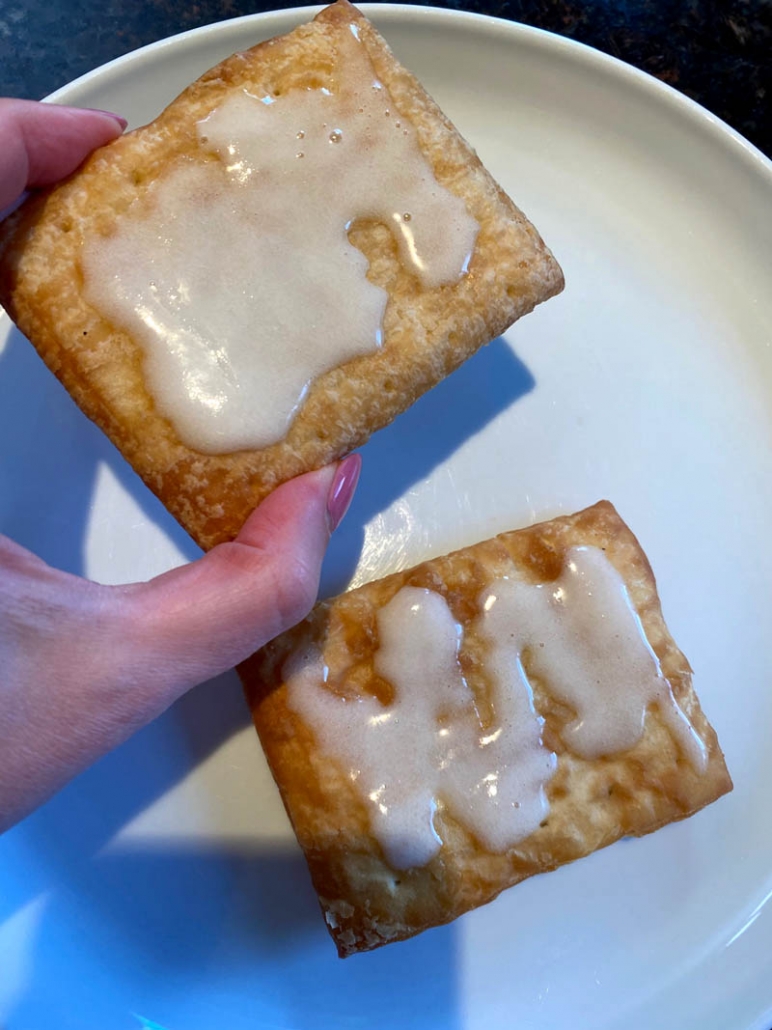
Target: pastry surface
{"points": [[592, 802], [427, 330]]}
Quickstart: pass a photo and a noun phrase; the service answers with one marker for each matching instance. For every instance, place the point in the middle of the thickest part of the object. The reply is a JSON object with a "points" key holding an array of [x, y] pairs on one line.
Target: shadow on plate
{"points": [[183, 937], [58, 844], [191, 933], [427, 434], [50, 456]]}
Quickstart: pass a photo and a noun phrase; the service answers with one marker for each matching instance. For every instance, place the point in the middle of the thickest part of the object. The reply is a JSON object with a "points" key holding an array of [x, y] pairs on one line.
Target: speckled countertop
{"points": [[716, 51]]}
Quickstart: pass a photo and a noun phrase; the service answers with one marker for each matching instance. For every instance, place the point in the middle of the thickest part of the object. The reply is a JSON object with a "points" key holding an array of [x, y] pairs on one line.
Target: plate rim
{"points": [[389, 13]]}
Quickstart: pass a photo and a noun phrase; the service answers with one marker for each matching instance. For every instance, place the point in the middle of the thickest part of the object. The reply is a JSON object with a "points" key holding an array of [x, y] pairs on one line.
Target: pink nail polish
{"points": [[342, 490], [111, 114]]}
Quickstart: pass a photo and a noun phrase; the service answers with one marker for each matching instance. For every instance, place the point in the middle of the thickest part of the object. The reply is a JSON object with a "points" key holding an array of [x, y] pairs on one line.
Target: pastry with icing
{"points": [[248, 287], [441, 734]]}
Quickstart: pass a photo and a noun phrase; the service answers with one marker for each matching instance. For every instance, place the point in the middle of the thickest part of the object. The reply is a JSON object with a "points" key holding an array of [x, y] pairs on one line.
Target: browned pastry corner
{"points": [[366, 902], [428, 332]]}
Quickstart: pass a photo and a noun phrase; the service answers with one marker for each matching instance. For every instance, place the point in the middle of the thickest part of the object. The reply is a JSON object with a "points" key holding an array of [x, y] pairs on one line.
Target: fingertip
{"points": [[299, 501], [73, 127], [41, 143], [122, 122], [320, 498]]}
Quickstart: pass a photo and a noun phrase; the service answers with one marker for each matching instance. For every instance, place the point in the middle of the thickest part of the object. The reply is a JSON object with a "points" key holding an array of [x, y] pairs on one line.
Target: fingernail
{"points": [[111, 114], [344, 484]]}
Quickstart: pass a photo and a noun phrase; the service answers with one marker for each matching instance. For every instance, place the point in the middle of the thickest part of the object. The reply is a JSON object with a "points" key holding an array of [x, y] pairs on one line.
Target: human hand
{"points": [[82, 666]]}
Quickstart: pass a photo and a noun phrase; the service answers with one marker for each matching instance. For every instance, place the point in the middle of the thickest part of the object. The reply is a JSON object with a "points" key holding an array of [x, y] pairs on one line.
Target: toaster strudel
{"points": [[445, 732], [294, 251]]}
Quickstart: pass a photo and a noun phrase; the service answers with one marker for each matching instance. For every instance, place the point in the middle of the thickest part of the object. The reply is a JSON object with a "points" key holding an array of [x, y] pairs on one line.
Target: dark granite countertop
{"points": [[715, 51]]}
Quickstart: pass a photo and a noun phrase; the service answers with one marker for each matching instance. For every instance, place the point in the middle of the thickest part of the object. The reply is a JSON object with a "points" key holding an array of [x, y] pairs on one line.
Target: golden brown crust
{"points": [[427, 333], [592, 802]]}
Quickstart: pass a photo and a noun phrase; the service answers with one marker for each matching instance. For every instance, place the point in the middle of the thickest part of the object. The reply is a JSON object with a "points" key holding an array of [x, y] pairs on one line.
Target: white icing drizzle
{"points": [[586, 643], [240, 283], [428, 747]]}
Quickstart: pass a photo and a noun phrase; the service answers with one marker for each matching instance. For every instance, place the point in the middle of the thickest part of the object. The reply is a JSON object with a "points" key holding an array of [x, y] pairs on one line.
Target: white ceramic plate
{"points": [[164, 888]]}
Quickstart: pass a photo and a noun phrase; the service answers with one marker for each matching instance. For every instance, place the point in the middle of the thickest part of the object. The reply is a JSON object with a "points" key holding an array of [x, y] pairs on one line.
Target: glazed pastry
{"points": [[443, 733], [294, 251]]}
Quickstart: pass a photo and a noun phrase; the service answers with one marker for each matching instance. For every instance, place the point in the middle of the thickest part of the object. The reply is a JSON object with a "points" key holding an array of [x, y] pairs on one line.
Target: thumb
{"points": [[201, 619]]}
